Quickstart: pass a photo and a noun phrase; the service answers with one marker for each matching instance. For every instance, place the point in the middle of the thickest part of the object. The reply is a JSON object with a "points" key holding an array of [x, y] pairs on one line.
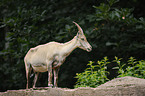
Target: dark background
{"points": [[27, 23]]}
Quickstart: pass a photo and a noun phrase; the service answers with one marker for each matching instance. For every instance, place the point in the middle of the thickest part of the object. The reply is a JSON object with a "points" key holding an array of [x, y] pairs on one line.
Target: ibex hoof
{"points": [[33, 87], [50, 85], [55, 87]]}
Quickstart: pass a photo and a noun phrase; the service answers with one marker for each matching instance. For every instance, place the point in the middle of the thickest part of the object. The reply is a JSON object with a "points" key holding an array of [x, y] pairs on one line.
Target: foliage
{"points": [[94, 75], [116, 32], [26, 24], [111, 29], [132, 68]]}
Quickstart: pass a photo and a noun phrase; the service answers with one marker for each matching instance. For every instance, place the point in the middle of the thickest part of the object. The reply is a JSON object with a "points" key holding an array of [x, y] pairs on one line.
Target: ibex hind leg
{"points": [[55, 71], [28, 68]]}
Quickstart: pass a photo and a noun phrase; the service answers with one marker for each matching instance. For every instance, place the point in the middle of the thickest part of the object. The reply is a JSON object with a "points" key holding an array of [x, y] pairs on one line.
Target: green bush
{"points": [[96, 75], [131, 68]]}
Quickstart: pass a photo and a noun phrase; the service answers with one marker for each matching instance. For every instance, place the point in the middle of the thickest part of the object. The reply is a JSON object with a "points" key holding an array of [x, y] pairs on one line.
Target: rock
{"points": [[125, 86]]}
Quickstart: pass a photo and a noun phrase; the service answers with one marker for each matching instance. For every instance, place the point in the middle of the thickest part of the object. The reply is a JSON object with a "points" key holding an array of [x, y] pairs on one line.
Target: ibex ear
{"points": [[79, 34], [80, 31]]}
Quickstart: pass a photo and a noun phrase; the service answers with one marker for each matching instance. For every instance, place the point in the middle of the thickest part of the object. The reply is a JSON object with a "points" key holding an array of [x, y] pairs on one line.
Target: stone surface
{"points": [[125, 86]]}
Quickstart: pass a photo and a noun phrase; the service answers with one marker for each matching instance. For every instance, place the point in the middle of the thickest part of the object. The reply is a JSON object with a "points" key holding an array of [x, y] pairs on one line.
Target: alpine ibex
{"points": [[51, 56]]}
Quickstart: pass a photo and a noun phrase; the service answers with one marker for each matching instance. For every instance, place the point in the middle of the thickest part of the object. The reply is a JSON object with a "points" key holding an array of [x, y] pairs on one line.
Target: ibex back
{"points": [[51, 56]]}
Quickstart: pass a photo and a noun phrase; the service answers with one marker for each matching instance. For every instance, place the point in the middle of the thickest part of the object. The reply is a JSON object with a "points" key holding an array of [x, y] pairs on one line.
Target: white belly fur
{"points": [[40, 69]]}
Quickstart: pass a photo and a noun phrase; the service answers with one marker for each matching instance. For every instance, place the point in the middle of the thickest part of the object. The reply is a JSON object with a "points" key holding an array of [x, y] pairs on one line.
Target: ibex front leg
{"points": [[50, 75]]}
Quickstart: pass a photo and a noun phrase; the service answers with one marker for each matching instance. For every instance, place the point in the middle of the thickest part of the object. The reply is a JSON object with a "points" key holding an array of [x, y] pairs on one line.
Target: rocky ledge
{"points": [[125, 86]]}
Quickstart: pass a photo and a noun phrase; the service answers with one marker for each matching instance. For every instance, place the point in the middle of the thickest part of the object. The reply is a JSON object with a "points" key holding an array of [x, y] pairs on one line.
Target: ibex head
{"points": [[82, 41]]}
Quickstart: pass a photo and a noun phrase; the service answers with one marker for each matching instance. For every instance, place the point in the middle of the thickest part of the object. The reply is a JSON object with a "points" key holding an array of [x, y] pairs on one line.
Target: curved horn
{"points": [[79, 28]]}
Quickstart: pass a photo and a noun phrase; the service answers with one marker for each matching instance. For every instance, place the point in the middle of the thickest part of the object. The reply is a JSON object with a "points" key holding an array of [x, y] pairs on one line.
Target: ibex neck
{"points": [[70, 46]]}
